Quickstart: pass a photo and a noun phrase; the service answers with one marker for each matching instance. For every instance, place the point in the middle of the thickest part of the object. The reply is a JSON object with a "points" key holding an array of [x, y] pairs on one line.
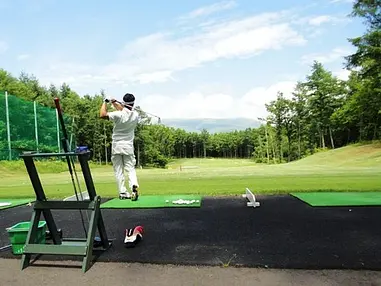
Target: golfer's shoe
{"points": [[135, 193], [124, 196], [133, 236]]}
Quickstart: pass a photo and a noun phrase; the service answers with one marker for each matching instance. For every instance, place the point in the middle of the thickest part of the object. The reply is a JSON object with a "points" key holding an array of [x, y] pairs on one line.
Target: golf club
{"points": [[136, 108]]}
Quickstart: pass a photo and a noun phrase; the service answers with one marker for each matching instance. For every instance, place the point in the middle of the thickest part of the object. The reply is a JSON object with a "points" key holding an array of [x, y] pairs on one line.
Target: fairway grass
{"points": [[351, 168], [208, 177]]}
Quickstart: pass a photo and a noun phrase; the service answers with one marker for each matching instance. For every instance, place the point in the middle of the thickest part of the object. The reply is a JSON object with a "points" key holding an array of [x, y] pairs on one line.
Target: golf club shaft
{"points": [[70, 163], [6, 247]]}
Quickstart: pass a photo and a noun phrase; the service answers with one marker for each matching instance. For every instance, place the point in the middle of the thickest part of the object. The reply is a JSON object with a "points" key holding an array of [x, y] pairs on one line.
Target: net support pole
{"points": [[8, 127], [71, 134], [35, 123], [58, 132], [104, 131], [71, 137]]}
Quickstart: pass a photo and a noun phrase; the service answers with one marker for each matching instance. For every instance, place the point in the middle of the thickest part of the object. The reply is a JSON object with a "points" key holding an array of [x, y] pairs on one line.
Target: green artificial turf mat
{"points": [[161, 201], [320, 199], [10, 203]]}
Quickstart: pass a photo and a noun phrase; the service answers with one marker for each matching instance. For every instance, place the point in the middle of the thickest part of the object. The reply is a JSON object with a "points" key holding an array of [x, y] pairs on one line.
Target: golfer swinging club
{"points": [[122, 152]]}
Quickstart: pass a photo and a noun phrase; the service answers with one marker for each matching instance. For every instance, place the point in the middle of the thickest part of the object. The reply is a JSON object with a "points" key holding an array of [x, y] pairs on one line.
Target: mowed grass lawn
{"points": [[353, 168]]}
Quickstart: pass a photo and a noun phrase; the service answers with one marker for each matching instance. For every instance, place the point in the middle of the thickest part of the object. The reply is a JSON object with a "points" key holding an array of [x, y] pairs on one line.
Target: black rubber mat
{"points": [[282, 233]]}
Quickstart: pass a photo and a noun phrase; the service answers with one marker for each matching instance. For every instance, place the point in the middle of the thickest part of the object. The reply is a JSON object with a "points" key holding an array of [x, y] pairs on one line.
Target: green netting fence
{"points": [[29, 126]]}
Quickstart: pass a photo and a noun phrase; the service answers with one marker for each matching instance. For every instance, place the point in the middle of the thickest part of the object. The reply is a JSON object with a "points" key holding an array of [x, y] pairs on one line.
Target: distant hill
{"points": [[212, 125], [354, 155]]}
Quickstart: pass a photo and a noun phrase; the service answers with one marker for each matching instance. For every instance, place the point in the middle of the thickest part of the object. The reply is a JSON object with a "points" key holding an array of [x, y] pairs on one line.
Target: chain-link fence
{"points": [[28, 126]]}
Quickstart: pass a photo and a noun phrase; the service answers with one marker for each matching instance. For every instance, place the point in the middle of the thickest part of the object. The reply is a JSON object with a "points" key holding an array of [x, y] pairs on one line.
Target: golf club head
{"points": [[133, 236]]}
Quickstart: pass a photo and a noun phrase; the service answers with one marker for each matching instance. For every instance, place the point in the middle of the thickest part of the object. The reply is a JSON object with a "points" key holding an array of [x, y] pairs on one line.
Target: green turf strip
{"points": [[152, 202], [10, 203], [320, 199]]}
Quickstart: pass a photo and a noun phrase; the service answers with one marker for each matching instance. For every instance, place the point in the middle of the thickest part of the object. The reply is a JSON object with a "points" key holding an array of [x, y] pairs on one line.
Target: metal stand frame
{"points": [[68, 246]]}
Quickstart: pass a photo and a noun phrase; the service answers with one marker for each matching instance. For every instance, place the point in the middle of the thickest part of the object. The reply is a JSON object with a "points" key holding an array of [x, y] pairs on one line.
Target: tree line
{"points": [[323, 112]]}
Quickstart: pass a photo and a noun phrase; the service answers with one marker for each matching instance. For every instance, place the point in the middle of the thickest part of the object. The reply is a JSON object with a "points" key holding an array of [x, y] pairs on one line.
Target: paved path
{"points": [[115, 274]]}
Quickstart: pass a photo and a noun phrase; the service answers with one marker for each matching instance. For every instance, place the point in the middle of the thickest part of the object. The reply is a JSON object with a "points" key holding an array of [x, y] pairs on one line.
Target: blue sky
{"points": [[193, 59]]}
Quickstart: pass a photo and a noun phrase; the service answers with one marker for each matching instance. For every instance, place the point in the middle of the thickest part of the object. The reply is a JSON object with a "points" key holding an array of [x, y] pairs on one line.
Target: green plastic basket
{"points": [[19, 232]]}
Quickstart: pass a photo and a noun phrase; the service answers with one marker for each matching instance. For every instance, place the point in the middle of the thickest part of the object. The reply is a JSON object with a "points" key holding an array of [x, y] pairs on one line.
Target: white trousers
{"points": [[124, 164]]}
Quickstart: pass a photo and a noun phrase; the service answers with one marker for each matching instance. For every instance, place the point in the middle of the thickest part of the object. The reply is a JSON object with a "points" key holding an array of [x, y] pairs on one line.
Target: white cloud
{"points": [[3, 47], [156, 57], [22, 57], [216, 105], [252, 104], [336, 54], [192, 105], [341, 1], [159, 76], [342, 74], [317, 21], [211, 9], [321, 19], [313, 23]]}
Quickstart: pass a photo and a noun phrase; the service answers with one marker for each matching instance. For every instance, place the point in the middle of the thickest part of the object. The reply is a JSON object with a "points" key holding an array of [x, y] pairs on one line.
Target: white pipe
{"points": [[8, 128], [58, 132], [35, 123]]}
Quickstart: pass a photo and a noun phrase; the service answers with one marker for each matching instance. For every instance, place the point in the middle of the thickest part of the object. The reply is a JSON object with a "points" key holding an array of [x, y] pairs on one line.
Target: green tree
{"points": [[367, 62], [280, 116], [324, 93], [299, 103]]}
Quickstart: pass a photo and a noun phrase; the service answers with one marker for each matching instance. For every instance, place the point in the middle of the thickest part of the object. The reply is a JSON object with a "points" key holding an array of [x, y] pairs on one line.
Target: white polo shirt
{"points": [[125, 122]]}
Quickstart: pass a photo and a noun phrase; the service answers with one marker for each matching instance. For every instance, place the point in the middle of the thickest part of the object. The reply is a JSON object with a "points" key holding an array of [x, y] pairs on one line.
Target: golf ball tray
{"points": [[183, 202]]}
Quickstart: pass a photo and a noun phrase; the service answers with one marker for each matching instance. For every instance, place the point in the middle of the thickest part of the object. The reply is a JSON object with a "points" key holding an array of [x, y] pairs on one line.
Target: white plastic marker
{"points": [[252, 202], [5, 204]]}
